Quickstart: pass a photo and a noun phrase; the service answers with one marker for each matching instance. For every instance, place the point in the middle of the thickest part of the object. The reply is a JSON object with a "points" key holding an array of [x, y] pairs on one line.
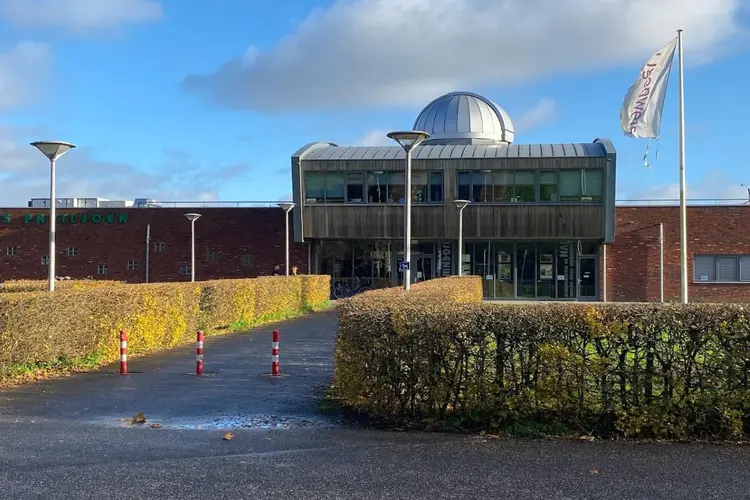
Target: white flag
{"points": [[640, 115]]}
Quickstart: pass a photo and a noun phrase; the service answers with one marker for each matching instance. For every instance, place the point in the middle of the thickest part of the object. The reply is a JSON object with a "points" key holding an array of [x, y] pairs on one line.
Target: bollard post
{"points": [[199, 354], [123, 353], [275, 354]]}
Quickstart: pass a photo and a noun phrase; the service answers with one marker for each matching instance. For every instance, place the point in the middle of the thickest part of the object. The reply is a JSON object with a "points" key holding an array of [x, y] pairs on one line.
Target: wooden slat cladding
{"points": [[441, 221]]}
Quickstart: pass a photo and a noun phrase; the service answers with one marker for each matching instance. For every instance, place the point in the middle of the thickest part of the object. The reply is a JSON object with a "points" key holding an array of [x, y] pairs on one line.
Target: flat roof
{"points": [[324, 151]]}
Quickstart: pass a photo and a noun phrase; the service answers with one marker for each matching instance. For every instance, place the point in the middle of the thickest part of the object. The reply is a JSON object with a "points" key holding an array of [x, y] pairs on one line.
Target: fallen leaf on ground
{"points": [[139, 418], [587, 438], [228, 436], [155, 426], [595, 470]]}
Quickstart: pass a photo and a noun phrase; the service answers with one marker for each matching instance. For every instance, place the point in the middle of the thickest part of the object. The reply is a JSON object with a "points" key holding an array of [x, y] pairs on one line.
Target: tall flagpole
{"points": [[683, 208]]}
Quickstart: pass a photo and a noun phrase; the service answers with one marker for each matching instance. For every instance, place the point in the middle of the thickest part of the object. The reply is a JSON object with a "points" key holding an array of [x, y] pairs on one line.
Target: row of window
{"points": [[209, 255], [478, 186], [372, 187], [721, 268]]}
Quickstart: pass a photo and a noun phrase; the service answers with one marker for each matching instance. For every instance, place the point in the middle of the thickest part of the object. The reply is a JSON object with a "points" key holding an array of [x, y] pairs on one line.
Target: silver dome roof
{"points": [[465, 118]]}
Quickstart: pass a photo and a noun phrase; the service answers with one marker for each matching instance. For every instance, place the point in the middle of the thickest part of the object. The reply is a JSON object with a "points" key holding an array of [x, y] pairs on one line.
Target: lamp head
{"points": [[53, 149], [287, 206], [408, 139], [192, 217], [461, 204]]}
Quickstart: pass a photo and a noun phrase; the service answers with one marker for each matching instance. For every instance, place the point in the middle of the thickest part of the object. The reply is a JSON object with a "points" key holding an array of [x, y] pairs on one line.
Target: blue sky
{"points": [[148, 91]]}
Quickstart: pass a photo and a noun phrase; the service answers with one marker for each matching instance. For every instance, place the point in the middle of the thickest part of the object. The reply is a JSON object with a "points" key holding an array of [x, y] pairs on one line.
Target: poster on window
{"points": [[545, 271]]}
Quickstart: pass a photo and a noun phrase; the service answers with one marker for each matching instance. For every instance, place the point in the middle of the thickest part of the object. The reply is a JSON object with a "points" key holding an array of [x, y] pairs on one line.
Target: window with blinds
{"points": [[721, 268]]}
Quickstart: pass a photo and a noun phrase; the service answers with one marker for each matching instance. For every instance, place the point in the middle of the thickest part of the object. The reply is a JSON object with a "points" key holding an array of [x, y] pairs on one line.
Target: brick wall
{"points": [[230, 233], [633, 260]]}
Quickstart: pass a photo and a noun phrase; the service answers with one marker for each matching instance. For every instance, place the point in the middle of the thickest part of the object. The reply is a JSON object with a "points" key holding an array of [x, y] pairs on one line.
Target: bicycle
{"points": [[349, 288]]}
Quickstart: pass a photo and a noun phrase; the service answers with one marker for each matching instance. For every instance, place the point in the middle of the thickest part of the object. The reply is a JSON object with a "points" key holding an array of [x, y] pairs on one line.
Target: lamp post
{"points": [[460, 205], [52, 150], [287, 206], [408, 140], [192, 218]]}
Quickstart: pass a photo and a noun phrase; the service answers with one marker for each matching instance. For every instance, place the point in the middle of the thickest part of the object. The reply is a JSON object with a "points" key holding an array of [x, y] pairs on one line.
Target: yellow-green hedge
{"points": [[45, 329], [631, 370]]}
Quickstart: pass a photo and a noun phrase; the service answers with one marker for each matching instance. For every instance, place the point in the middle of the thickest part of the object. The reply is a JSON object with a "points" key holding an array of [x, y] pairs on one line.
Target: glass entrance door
{"points": [[587, 280], [424, 269]]}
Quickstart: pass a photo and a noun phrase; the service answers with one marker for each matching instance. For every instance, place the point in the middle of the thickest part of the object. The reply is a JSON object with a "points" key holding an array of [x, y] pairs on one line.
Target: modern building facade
{"points": [[537, 219]]}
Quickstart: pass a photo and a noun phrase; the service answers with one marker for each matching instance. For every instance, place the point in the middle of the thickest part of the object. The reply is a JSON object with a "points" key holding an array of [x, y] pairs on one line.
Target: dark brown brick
{"points": [[229, 232]]}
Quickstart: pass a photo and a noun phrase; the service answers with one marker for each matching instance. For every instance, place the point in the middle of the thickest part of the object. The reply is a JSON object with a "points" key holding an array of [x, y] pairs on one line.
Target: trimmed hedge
{"points": [[627, 370], [41, 285], [71, 325]]}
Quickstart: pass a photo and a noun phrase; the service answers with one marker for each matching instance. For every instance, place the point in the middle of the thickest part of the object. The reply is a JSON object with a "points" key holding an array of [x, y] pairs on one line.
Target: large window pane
{"points": [[727, 269], [593, 181], [570, 185], [525, 270], [419, 187], [480, 182], [704, 268], [436, 187], [377, 187], [334, 187], [315, 187], [503, 270], [464, 186], [745, 268], [396, 187], [546, 272], [355, 187], [502, 186], [548, 186], [525, 185]]}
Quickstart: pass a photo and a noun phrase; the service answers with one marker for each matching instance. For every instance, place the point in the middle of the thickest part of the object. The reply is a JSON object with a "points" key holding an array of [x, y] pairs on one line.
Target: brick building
{"points": [[718, 253], [111, 243], [247, 242]]}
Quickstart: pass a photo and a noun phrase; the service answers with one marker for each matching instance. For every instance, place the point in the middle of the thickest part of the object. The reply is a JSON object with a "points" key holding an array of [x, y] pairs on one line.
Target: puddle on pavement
{"points": [[228, 422]]}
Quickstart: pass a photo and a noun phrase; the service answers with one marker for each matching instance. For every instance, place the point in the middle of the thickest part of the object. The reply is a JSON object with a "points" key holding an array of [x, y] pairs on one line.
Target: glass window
{"points": [[315, 183], [548, 186], [419, 187], [704, 268], [355, 187], [525, 186], [503, 270], [132, 265], [101, 269], [436, 187], [334, 187], [481, 181], [464, 186], [745, 268], [593, 181], [396, 187], [45, 260], [570, 185], [546, 272], [727, 269], [526, 270], [377, 187], [502, 186]]}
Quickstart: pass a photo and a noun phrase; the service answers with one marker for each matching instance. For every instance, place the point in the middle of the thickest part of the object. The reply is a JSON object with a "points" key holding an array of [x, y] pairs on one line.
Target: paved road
{"points": [[66, 439]]}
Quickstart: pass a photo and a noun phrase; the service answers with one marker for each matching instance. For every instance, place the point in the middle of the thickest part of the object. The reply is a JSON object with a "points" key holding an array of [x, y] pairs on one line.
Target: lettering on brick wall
{"points": [[95, 218]]}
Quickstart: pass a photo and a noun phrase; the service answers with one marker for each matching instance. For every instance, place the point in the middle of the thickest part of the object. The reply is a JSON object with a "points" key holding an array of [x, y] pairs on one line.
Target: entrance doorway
{"points": [[588, 283], [423, 269]]}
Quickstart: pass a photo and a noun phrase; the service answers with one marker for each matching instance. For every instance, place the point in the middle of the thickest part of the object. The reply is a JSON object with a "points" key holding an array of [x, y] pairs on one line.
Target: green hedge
{"points": [[645, 371], [77, 327]]}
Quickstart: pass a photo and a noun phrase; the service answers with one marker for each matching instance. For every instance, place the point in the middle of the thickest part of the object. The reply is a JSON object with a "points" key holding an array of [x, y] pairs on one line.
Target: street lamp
{"points": [[287, 206], [52, 150], [460, 205], [408, 140], [192, 218]]}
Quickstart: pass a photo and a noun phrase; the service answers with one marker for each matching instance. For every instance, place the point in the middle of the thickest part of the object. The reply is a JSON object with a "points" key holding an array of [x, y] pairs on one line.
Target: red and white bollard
{"points": [[123, 353], [275, 355], [199, 354]]}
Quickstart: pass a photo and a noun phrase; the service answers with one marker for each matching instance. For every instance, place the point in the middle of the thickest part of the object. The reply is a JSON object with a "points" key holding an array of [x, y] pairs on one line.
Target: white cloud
{"points": [[714, 186], [543, 112], [392, 52], [22, 69], [24, 174], [374, 138], [80, 15]]}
